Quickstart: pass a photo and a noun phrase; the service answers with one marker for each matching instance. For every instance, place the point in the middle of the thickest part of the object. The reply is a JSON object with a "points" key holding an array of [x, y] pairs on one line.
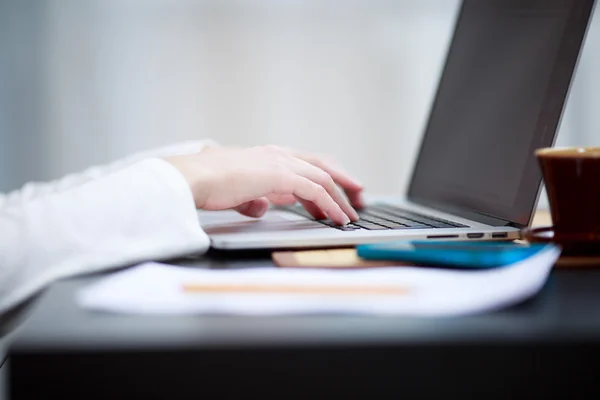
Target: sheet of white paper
{"points": [[153, 288]]}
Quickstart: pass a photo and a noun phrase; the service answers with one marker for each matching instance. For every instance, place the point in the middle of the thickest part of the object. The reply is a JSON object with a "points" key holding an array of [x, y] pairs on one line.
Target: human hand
{"points": [[245, 179], [352, 188]]}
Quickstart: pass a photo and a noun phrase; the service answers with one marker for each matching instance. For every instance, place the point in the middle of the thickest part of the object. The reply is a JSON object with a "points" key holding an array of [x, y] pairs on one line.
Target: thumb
{"points": [[254, 208]]}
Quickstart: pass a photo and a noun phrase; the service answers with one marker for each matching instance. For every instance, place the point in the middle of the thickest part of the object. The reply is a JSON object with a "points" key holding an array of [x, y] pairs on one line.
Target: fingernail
{"points": [[346, 220]]}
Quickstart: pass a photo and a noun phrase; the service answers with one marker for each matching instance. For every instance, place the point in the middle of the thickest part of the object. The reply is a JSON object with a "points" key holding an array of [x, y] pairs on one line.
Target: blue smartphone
{"points": [[454, 254]]}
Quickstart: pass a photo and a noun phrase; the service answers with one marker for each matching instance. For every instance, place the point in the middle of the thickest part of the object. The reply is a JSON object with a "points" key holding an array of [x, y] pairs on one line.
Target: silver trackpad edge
{"points": [[231, 222]]}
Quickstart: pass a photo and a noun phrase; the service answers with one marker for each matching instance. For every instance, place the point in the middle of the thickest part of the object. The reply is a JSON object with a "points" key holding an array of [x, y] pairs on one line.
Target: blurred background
{"points": [[86, 82]]}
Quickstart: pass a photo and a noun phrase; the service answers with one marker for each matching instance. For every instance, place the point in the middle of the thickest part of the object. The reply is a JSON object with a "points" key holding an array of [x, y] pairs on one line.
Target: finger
{"points": [[339, 175], [254, 208], [323, 179], [282, 199], [352, 187], [306, 189], [356, 199], [312, 209]]}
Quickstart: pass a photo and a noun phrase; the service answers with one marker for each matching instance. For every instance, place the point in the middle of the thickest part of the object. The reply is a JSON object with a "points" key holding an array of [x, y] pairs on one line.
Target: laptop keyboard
{"points": [[384, 217]]}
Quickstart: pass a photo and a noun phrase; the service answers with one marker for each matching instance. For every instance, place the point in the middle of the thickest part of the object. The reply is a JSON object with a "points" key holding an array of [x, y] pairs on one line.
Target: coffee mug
{"points": [[572, 179]]}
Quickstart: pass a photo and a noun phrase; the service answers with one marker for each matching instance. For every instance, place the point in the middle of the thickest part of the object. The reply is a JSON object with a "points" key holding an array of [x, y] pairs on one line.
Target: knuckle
{"points": [[282, 174], [281, 180], [322, 176], [325, 180], [321, 193], [319, 163], [328, 180]]}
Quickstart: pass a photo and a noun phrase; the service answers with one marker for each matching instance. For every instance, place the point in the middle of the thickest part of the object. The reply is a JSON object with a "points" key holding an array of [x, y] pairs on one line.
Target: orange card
{"points": [[327, 258]]}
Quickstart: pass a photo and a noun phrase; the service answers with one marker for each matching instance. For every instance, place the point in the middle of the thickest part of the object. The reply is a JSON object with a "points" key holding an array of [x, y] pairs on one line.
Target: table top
{"points": [[538, 348], [564, 311]]}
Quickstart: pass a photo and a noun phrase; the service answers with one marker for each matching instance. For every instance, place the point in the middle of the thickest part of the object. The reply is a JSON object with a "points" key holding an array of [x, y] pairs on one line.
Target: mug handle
{"points": [[533, 235]]}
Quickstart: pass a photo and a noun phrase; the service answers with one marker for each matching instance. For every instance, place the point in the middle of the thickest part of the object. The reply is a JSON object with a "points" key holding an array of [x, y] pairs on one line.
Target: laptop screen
{"points": [[500, 97]]}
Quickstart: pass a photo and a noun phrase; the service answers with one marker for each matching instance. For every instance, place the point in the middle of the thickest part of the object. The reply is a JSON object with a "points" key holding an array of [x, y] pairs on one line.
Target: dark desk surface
{"points": [[545, 344], [568, 308]]}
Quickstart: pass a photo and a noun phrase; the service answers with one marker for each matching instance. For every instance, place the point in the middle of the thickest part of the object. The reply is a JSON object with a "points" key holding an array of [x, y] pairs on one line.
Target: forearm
{"points": [[141, 212]]}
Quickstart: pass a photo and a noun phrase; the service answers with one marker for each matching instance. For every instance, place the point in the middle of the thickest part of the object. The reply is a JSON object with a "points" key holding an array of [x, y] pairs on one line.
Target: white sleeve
{"points": [[37, 189], [141, 212]]}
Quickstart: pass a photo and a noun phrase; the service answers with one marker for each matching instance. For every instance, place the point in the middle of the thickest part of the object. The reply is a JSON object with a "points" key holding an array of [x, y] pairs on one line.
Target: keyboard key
{"points": [[347, 228], [414, 226], [384, 217], [332, 224], [370, 226], [423, 219]]}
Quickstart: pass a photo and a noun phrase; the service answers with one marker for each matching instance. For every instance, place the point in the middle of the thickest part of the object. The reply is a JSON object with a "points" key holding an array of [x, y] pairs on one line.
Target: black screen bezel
{"points": [[544, 136]]}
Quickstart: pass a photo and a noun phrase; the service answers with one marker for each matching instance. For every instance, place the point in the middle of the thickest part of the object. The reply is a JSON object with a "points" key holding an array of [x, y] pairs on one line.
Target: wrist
{"points": [[197, 176]]}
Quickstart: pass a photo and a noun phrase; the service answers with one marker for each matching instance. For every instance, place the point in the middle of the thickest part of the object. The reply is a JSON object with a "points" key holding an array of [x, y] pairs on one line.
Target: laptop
{"points": [[500, 96]]}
